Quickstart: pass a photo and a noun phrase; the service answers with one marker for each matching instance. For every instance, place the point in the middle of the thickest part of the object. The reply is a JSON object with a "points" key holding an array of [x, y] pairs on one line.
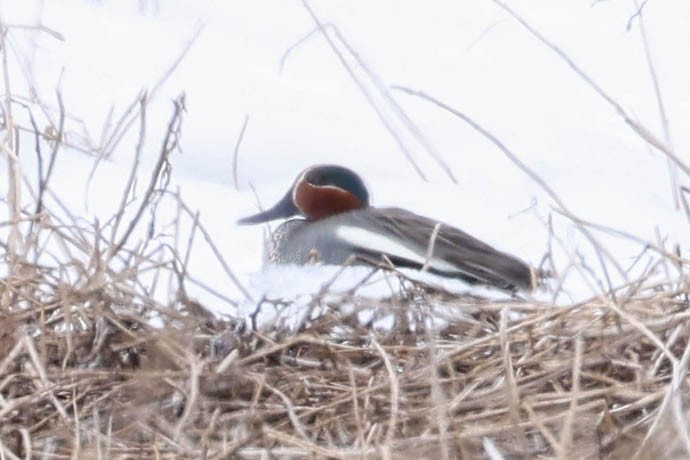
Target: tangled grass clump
{"points": [[84, 373]]}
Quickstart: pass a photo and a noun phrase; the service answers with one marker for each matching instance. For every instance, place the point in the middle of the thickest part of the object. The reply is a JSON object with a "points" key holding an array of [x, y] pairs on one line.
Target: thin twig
{"points": [[394, 394], [512, 394], [44, 180], [360, 85], [9, 147], [565, 445], [641, 130], [236, 153], [530, 173], [672, 168], [430, 246], [170, 143]]}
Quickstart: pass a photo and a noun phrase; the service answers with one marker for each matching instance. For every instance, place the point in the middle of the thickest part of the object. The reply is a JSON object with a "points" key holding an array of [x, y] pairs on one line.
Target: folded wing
{"points": [[414, 241]]}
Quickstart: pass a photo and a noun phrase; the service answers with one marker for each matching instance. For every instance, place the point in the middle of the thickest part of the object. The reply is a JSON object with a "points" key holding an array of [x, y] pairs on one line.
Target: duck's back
{"points": [[406, 239]]}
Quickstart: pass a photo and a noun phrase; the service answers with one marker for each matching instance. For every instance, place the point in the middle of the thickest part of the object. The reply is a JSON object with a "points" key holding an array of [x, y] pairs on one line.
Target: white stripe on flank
{"points": [[377, 243]]}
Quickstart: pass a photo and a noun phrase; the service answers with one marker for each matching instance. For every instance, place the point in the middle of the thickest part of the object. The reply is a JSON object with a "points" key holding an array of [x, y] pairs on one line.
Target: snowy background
{"points": [[251, 61]]}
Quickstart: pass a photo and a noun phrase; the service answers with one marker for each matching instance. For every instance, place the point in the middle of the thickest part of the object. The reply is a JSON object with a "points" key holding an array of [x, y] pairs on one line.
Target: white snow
{"points": [[470, 55]]}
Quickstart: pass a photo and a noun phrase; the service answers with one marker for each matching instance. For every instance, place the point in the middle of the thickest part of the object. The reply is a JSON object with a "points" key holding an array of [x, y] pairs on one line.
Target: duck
{"points": [[329, 220]]}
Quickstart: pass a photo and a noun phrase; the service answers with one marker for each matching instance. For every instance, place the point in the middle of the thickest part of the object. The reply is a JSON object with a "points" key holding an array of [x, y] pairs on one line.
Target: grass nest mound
{"points": [[104, 354], [94, 365]]}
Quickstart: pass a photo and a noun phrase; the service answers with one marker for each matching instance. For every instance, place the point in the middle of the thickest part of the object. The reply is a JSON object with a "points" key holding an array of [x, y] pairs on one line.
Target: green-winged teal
{"points": [[335, 225]]}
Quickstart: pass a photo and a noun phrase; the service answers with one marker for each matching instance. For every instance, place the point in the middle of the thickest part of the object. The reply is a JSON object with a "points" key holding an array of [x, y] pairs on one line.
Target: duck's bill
{"points": [[283, 209]]}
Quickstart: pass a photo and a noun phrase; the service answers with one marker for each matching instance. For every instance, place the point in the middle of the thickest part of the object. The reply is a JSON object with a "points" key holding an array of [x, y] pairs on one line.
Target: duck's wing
{"points": [[414, 241]]}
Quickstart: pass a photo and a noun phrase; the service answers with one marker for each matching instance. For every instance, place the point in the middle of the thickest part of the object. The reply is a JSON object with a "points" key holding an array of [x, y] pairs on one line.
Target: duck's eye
{"points": [[317, 178]]}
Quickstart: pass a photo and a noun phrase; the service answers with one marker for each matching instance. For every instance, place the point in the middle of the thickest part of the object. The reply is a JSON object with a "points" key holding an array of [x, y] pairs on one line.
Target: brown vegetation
{"points": [[95, 364], [84, 374]]}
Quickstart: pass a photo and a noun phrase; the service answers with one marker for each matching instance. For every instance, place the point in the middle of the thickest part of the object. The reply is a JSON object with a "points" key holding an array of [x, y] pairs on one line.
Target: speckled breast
{"points": [[301, 242]]}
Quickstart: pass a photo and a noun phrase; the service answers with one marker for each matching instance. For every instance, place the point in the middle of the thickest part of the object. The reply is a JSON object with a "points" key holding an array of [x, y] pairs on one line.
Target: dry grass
{"points": [[84, 373]]}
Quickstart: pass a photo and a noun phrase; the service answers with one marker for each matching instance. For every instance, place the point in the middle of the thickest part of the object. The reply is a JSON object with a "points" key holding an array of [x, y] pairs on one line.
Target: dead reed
{"points": [[85, 374], [96, 363]]}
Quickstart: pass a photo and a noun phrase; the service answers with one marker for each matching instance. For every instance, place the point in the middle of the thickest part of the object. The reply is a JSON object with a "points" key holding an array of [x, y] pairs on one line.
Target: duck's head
{"points": [[319, 192]]}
